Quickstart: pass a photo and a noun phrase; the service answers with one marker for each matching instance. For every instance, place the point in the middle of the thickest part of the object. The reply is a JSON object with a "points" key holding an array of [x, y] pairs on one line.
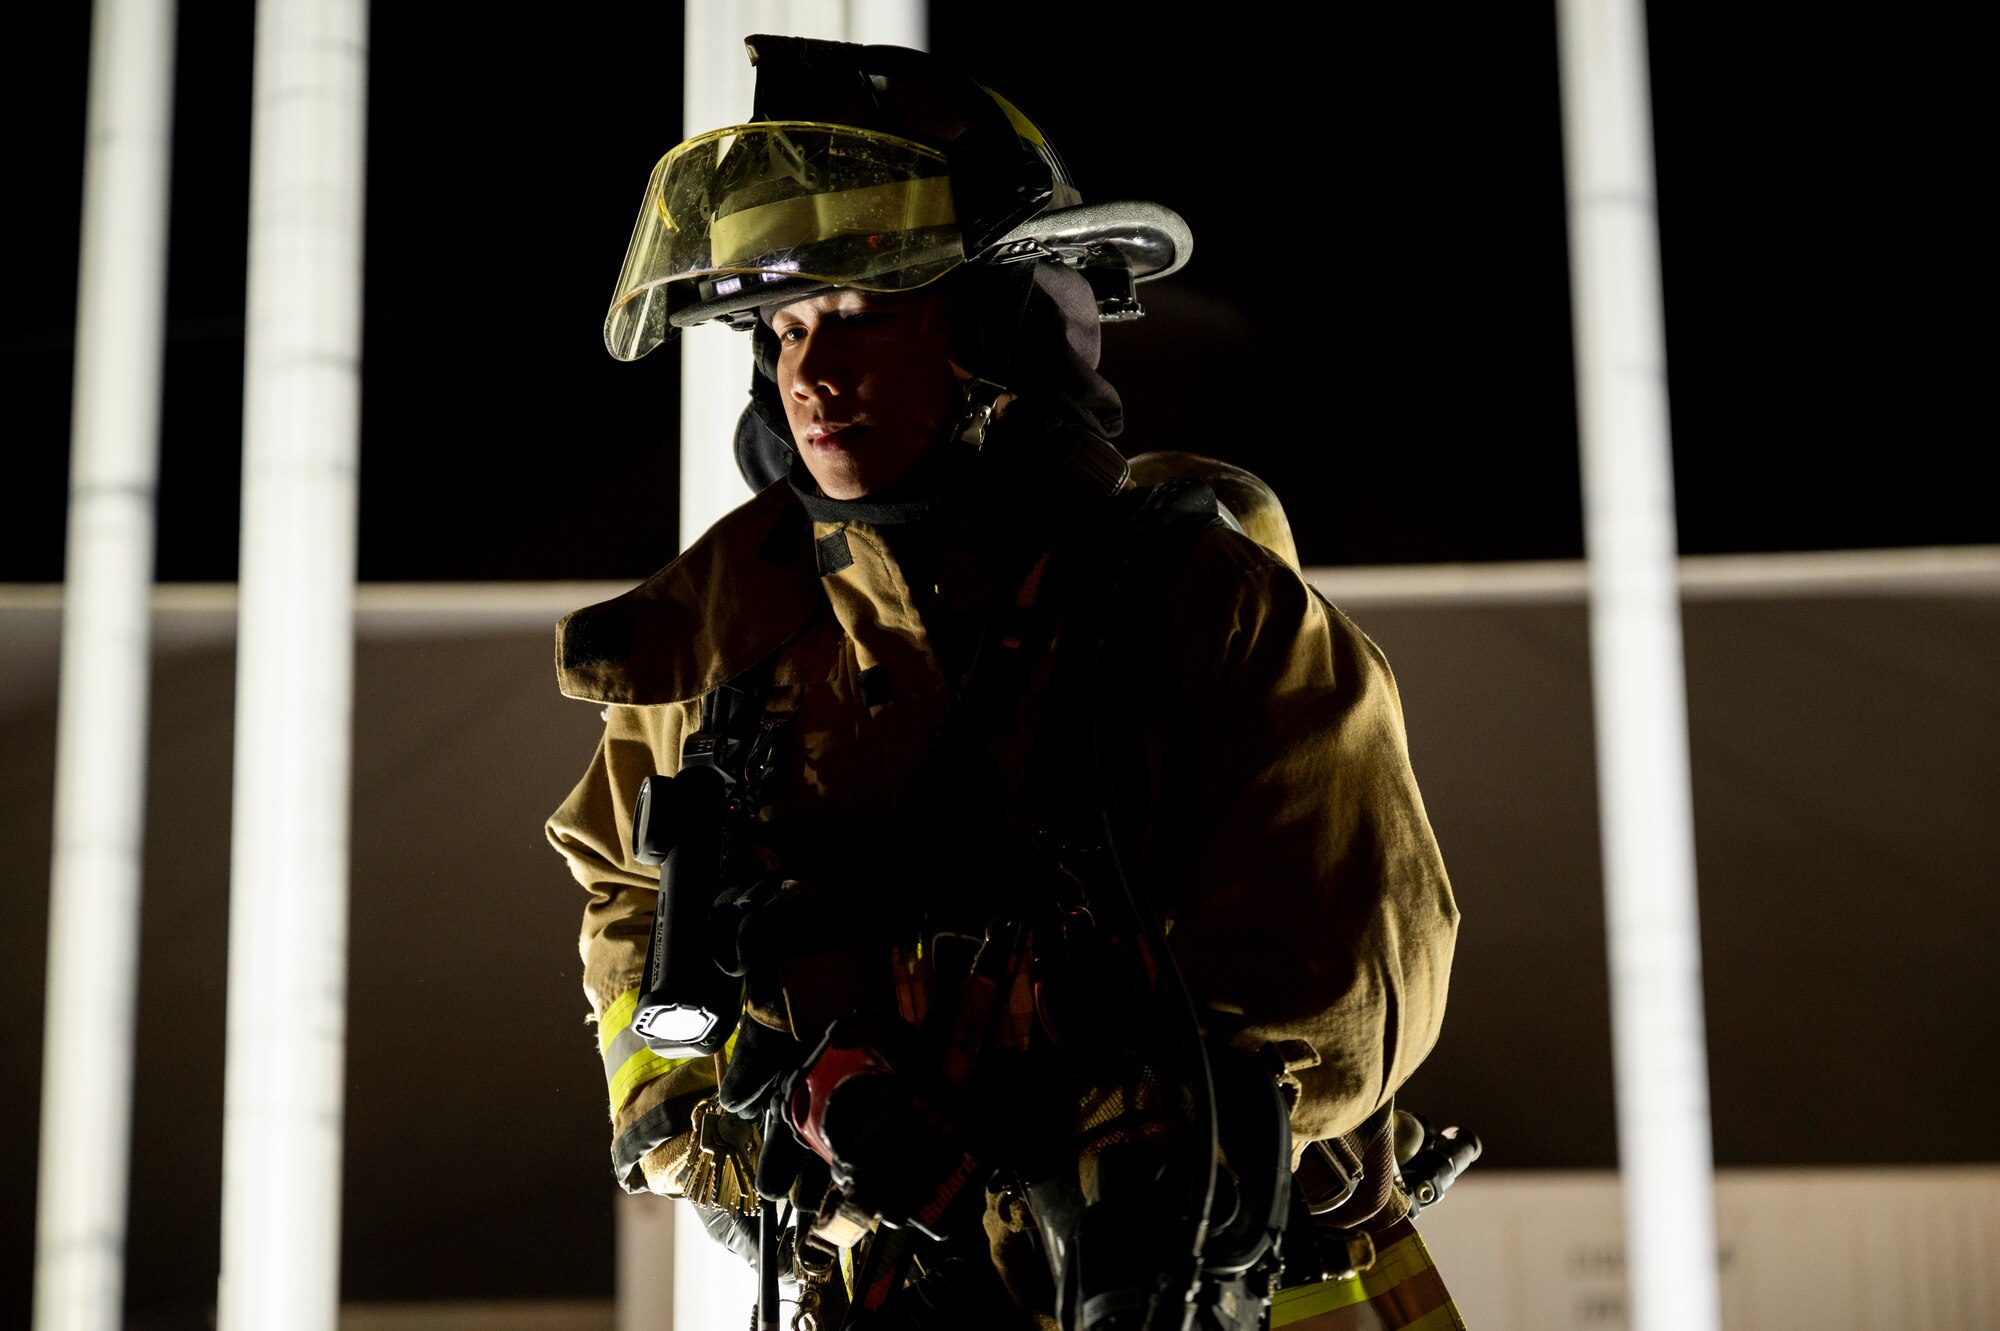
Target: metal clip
{"points": [[840, 1224], [1323, 1180], [982, 398]]}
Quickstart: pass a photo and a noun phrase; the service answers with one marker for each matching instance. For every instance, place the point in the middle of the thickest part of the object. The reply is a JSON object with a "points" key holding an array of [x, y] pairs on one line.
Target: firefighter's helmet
{"points": [[874, 167]]}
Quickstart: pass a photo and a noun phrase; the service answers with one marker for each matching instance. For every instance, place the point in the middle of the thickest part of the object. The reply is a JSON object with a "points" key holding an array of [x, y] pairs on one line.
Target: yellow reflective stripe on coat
{"points": [[1402, 1291], [628, 1063]]}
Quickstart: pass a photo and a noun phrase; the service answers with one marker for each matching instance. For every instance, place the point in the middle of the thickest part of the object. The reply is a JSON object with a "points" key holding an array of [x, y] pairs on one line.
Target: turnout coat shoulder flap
{"points": [[730, 600]]}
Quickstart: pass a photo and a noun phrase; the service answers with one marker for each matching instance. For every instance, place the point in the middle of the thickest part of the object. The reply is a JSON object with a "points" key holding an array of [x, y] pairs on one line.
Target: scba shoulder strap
{"points": [[1128, 1064], [1106, 602]]}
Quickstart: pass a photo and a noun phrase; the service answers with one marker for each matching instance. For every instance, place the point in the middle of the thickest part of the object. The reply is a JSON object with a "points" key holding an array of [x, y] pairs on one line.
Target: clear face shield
{"points": [[731, 213]]}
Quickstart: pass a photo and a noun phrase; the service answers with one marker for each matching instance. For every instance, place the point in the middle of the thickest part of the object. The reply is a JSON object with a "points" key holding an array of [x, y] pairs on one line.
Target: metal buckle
{"points": [[1323, 1195]]}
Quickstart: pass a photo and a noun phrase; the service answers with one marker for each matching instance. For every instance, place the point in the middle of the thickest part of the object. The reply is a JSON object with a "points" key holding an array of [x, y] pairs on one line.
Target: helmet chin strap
{"points": [[1073, 462], [983, 402]]}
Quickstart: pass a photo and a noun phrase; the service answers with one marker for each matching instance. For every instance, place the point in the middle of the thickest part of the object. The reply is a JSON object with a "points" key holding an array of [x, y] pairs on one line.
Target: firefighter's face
{"points": [[870, 385]]}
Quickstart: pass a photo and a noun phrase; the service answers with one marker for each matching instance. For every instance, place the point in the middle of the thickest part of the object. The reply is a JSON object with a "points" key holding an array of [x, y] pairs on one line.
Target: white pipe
{"points": [[719, 85], [294, 693], [1660, 1057], [645, 1255], [710, 1287], [100, 796]]}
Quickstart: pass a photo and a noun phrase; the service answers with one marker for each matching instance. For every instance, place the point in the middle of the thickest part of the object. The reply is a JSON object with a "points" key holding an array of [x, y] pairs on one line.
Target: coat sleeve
{"points": [[1283, 835], [649, 1095]]}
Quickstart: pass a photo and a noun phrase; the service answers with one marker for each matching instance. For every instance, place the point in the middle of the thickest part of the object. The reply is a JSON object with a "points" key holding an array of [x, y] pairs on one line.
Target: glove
{"points": [[762, 1057], [732, 1229], [805, 961], [865, 1102]]}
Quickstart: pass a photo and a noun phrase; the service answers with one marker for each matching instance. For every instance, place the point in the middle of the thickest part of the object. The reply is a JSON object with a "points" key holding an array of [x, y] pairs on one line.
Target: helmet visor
{"points": [[733, 211]]}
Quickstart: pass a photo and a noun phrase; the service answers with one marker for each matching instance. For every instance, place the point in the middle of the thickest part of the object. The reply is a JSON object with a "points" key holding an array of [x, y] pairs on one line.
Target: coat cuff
{"points": [[651, 1129]]}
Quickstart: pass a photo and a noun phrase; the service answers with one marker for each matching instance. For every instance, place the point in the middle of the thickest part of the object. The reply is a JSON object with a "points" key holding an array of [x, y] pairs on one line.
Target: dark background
{"points": [[1375, 319], [1376, 316]]}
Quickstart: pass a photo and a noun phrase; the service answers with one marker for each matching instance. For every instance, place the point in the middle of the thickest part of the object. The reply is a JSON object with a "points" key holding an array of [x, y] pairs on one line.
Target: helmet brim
{"points": [[1150, 240], [738, 217], [1146, 239]]}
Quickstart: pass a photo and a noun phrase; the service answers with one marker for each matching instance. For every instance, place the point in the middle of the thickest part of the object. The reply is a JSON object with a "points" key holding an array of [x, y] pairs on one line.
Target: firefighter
{"points": [[995, 717]]}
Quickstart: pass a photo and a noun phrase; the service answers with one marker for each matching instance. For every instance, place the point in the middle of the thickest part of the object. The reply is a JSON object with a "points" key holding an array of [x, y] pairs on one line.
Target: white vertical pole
{"points": [[645, 1247], [294, 695], [1660, 1056], [719, 86], [710, 1287], [87, 1043]]}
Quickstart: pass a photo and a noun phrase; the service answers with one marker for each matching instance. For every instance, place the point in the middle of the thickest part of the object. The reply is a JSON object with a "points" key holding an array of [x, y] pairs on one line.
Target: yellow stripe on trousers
{"points": [[1402, 1291]]}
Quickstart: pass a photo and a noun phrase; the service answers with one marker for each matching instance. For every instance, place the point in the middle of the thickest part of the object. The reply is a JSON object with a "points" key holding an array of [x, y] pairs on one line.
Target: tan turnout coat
{"points": [[1286, 840]]}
